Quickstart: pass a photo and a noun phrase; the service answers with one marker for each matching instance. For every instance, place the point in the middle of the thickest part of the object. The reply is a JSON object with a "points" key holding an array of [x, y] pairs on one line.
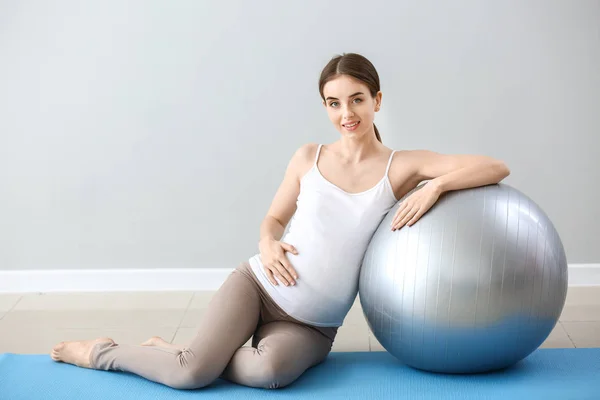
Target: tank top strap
{"points": [[318, 152], [387, 170]]}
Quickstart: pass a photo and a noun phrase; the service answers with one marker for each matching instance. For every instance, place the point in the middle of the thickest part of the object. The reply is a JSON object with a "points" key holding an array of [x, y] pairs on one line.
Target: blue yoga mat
{"points": [[546, 374]]}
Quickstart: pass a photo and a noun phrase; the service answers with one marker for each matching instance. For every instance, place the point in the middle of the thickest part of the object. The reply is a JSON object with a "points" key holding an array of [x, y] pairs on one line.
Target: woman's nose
{"points": [[348, 113]]}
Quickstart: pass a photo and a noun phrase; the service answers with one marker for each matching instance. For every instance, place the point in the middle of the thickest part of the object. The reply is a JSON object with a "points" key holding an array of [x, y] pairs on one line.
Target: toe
{"points": [[153, 341], [59, 346]]}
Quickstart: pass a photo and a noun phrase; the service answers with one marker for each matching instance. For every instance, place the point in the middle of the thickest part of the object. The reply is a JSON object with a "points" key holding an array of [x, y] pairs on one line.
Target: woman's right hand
{"points": [[276, 263]]}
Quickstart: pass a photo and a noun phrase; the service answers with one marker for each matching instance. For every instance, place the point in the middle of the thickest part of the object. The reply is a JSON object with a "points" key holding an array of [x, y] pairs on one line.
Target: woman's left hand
{"points": [[415, 205]]}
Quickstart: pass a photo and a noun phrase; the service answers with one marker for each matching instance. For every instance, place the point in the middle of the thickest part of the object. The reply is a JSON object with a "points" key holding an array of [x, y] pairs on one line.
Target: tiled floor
{"points": [[33, 323]]}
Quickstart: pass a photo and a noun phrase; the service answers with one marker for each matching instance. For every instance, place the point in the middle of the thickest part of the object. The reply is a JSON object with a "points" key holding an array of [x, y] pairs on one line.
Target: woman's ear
{"points": [[378, 97]]}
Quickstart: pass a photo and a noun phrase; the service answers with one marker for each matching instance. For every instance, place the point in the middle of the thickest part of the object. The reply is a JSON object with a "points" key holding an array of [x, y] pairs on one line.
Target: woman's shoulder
{"points": [[404, 156], [307, 151], [303, 159], [305, 154], [403, 173]]}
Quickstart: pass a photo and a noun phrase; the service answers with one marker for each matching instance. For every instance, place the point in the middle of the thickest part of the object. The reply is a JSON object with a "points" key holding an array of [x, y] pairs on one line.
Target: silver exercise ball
{"points": [[476, 285]]}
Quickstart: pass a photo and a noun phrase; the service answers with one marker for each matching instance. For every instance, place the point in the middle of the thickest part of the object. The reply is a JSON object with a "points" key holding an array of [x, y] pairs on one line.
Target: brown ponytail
{"points": [[377, 134]]}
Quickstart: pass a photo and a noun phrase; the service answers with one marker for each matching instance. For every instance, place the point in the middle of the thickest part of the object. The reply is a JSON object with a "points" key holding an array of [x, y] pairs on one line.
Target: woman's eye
{"points": [[334, 103]]}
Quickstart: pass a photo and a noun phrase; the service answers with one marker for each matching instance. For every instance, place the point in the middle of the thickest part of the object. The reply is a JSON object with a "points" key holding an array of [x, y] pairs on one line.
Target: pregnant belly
{"points": [[322, 279]]}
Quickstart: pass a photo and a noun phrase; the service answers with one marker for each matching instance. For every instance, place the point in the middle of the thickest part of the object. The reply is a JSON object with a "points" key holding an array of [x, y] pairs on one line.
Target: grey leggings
{"points": [[282, 348]]}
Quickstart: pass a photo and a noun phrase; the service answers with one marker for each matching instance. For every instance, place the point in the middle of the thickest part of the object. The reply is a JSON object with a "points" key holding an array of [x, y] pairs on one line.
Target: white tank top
{"points": [[331, 230]]}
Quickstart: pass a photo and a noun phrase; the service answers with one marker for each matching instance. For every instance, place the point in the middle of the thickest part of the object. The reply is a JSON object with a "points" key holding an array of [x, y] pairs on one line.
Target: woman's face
{"points": [[350, 106]]}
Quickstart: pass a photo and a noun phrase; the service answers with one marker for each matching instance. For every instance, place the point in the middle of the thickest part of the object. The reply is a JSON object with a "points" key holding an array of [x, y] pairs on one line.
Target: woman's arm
{"points": [[283, 205], [444, 173], [455, 172], [272, 250], [271, 228]]}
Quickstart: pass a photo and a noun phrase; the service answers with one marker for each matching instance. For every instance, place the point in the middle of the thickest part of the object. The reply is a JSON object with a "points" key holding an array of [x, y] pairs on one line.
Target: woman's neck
{"points": [[355, 150]]}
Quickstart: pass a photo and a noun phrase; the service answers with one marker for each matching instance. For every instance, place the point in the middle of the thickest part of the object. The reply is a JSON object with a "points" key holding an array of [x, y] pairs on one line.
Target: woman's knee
{"points": [[275, 373], [191, 376]]}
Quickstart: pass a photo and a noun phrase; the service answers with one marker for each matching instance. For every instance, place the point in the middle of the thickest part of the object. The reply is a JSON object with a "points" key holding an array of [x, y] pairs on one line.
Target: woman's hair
{"points": [[356, 66]]}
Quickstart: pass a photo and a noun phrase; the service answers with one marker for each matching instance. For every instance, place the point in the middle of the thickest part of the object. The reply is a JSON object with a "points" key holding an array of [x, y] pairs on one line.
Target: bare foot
{"points": [[76, 352], [160, 342]]}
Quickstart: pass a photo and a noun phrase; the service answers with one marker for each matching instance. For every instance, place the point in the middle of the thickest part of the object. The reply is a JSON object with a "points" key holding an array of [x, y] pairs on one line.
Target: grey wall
{"points": [[154, 134]]}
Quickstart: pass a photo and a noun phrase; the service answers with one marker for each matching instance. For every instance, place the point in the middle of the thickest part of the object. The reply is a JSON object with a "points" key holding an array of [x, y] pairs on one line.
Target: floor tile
{"points": [[8, 301], [33, 323], [41, 341], [355, 317], [558, 338], [192, 318], [351, 338], [583, 295], [92, 319], [200, 300], [584, 333], [374, 344], [581, 312], [106, 301]]}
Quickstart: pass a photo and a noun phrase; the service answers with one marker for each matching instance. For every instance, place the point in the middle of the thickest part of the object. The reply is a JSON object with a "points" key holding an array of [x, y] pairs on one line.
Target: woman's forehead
{"points": [[343, 86]]}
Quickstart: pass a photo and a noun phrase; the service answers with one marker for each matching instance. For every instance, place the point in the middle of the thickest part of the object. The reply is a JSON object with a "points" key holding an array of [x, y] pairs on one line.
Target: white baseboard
{"points": [[113, 280], [584, 274], [185, 279]]}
